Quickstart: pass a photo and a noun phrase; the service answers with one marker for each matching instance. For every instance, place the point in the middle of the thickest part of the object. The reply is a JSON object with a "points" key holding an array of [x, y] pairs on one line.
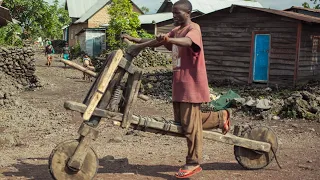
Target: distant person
{"points": [[66, 53], [87, 63], [49, 53]]}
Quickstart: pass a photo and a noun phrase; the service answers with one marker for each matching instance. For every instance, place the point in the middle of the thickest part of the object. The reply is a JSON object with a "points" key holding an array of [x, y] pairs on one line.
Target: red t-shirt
{"points": [[190, 82]]}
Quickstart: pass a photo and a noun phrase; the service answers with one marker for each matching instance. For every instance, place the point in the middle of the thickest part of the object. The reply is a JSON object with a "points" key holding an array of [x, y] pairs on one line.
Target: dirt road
{"points": [[40, 122]]}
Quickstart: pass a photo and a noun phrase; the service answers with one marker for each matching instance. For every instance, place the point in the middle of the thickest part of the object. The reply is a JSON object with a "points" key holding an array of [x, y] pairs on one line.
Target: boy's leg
{"points": [[189, 115]]}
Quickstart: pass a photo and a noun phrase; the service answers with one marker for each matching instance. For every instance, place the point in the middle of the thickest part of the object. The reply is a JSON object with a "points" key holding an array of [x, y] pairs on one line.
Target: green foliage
{"points": [[144, 9], [10, 35], [143, 34], [123, 19], [316, 4], [76, 50], [38, 18]]}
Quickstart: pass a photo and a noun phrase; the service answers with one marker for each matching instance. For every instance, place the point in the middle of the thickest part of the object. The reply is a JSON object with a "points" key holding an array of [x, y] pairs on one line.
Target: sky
{"points": [[153, 5]]}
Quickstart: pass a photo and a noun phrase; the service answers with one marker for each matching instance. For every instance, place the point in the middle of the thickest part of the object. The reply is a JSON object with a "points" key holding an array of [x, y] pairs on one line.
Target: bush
{"points": [[10, 35]]}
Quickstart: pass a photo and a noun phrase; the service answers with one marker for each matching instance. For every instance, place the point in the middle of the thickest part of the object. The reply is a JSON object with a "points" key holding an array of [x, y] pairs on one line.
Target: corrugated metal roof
{"points": [[77, 8], [207, 6], [288, 14], [154, 18], [302, 8], [95, 8]]}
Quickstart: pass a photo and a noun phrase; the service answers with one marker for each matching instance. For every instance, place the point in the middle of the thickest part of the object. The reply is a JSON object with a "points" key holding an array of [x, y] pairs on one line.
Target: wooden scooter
{"points": [[254, 147]]}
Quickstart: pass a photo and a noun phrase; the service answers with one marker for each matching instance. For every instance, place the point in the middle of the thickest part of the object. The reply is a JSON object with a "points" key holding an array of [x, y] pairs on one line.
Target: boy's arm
{"points": [[161, 39]]}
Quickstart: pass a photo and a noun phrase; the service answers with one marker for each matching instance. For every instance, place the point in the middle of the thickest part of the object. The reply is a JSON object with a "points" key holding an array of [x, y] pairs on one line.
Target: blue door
{"points": [[261, 58]]}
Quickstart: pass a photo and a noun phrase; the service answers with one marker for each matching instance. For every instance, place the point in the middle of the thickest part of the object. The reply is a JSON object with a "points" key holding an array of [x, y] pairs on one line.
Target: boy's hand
{"points": [[162, 38]]}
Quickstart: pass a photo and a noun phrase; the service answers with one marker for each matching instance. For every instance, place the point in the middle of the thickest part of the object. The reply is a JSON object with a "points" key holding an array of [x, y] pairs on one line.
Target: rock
{"points": [[312, 129], [263, 104], [295, 125], [8, 141], [116, 139], [206, 158], [108, 158], [276, 118]]}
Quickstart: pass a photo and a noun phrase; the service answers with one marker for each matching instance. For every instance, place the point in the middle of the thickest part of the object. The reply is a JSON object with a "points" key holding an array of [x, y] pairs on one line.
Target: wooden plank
{"points": [[228, 138], [281, 66], [223, 39], [227, 44], [223, 48], [280, 72], [227, 53], [133, 86], [228, 58], [111, 67], [282, 51], [125, 64], [79, 67], [227, 69], [225, 74], [230, 63], [282, 61], [77, 159], [283, 56], [283, 45]]}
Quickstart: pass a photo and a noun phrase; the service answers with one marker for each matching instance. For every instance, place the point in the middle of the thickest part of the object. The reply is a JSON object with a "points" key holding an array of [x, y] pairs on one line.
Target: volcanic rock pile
{"points": [[19, 63]]}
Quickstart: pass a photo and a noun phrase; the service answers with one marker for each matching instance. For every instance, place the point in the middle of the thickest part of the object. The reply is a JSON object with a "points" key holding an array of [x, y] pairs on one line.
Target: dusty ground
{"points": [[39, 122]]}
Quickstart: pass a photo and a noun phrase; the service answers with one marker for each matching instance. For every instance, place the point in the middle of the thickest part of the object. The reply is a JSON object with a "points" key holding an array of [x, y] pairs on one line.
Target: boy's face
{"points": [[180, 15]]}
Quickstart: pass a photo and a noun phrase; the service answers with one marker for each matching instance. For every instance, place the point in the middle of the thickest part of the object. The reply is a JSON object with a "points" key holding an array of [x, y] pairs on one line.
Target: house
{"points": [[250, 45], [5, 16], [88, 16], [306, 11], [162, 21]]}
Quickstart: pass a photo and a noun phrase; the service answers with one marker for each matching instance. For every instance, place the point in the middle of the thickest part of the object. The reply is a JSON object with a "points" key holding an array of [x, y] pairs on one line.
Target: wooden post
{"points": [[133, 86], [107, 75], [79, 67], [87, 134]]}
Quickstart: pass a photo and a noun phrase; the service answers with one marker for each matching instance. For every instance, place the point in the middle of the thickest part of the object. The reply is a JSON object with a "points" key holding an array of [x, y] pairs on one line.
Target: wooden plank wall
{"points": [[309, 62], [227, 44]]}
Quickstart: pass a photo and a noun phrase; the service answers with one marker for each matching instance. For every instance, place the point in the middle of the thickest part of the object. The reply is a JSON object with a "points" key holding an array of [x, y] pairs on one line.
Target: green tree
{"points": [[38, 18], [10, 35], [316, 4], [123, 20]]}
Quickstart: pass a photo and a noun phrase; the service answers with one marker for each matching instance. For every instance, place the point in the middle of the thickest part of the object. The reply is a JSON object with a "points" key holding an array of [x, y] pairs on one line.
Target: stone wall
{"points": [[19, 63]]}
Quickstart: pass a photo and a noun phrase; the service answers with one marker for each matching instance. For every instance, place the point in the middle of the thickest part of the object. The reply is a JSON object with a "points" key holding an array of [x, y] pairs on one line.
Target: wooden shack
{"points": [[249, 45]]}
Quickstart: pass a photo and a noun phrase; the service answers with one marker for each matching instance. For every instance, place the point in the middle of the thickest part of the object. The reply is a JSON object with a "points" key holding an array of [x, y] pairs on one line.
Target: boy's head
{"points": [[181, 11]]}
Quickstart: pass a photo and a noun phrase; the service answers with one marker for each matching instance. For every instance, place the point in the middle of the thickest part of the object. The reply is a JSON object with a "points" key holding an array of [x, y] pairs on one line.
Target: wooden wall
{"points": [[227, 39], [309, 61]]}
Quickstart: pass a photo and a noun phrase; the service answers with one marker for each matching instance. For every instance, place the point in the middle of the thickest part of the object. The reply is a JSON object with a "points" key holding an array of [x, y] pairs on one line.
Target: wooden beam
{"points": [[173, 128], [107, 75], [296, 69], [79, 67], [133, 86], [125, 64]]}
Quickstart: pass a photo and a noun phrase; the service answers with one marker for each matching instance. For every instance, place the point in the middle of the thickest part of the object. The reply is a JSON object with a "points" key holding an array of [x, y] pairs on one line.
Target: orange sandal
{"points": [[187, 173]]}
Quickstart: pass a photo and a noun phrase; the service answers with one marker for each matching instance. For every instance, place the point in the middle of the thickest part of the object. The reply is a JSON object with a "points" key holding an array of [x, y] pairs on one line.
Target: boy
{"points": [[87, 64], [190, 83], [49, 53]]}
